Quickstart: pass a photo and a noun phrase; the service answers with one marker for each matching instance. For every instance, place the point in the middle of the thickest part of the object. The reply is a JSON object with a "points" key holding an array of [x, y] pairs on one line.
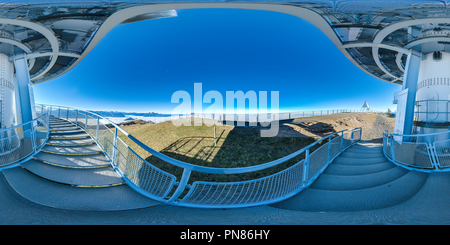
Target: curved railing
{"points": [[423, 152], [152, 182], [21, 142]]}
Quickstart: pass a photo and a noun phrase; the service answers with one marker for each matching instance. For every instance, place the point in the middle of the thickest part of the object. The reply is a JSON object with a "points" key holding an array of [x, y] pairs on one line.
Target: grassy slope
{"points": [[236, 147]]}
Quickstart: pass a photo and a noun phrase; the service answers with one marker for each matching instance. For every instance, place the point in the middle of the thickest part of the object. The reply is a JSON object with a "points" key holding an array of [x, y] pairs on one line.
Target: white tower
{"points": [[433, 85]]}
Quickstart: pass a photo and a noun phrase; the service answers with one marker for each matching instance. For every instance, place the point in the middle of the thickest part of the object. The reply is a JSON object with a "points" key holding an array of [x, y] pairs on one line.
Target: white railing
{"points": [[269, 117], [423, 152], [152, 182], [21, 142]]}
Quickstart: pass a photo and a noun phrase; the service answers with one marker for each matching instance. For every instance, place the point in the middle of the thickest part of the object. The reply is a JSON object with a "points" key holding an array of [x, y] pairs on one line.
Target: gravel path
{"points": [[374, 132], [372, 125]]}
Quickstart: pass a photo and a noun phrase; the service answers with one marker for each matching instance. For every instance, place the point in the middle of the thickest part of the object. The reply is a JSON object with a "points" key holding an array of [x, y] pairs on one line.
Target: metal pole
{"points": [[306, 169], [392, 148], [98, 122], [215, 142], [329, 149], [181, 185], [115, 147]]}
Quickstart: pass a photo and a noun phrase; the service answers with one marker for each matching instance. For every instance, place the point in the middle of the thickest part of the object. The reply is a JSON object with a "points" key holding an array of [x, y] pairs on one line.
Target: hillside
{"points": [[242, 146]]}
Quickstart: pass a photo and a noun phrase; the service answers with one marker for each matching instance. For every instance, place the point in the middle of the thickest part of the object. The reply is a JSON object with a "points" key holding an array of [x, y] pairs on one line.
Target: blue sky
{"points": [[137, 67]]}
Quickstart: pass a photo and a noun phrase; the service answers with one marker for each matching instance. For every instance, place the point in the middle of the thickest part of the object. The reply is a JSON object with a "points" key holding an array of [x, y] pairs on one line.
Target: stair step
{"points": [[105, 176], [392, 193], [339, 169], [87, 161], [374, 150], [359, 160], [72, 150], [56, 195], [76, 142], [361, 155], [69, 136], [367, 147], [357, 182], [67, 132], [434, 193], [63, 128]]}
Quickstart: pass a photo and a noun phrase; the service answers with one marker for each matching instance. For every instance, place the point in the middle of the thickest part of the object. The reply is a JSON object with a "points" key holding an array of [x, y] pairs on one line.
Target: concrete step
{"points": [[361, 154], [66, 132], [68, 128], [81, 135], [367, 147], [90, 177], [87, 161], [357, 182], [72, 150], [359, 161], [76, 142], [368, 150], [340, 169], [47, 193], [389, 194]]}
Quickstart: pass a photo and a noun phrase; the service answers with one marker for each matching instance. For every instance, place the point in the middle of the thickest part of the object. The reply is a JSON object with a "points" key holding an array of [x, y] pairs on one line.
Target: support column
{"points": [[26, 96], [6, 92], [410, 79]]}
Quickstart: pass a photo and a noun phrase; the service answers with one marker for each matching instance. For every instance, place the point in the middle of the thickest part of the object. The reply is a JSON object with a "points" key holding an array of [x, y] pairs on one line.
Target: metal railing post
{"points": [[76, 118], [392, 148], [351, 140], [329, 149], [433, 158], [85, 125], [306, 169], [98, 122], [342, 140], [181, 186], [114, 147], [33, 141]]}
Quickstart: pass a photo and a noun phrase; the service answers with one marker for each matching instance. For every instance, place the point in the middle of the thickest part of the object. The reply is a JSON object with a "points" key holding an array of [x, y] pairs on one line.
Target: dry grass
{"points": [[236, 147]]}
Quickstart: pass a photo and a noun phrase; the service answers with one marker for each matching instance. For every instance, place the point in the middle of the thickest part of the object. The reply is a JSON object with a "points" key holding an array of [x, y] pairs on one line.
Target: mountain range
{"points": [[127, 114]]}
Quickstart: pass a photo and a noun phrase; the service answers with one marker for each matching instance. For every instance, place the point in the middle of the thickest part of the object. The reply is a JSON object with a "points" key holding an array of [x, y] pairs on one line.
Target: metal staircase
{"points": [[361, 178], [71, 172]]}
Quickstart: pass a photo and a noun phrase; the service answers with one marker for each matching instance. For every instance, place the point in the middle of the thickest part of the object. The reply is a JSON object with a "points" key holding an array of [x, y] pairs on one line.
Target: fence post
{"points": [[392, 148], [306, 169], [329, 149], [181, 185], [98, 122], [352, 137], [114, 147]]}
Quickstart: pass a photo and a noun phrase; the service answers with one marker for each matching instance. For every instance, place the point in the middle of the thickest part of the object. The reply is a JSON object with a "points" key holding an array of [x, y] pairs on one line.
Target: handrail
{"points": [[23, 124], [29, 142], [421, 152], [158, 184]]}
